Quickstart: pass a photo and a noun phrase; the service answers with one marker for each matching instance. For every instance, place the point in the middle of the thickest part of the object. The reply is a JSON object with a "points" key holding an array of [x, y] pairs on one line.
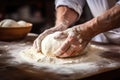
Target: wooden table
{"points": [[11, 69]]}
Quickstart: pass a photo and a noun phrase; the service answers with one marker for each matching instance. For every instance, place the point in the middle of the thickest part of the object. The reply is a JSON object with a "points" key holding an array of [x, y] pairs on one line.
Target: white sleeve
{"points": [[97, 7], [118, 2], [76, 5]]}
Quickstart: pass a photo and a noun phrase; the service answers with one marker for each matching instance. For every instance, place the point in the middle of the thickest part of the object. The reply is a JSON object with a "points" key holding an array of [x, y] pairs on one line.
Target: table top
{"points": [[11, 68]]}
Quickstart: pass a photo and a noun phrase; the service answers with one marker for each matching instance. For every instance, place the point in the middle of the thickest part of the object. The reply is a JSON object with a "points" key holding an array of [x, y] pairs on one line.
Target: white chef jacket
{"points": [[97, 7]]}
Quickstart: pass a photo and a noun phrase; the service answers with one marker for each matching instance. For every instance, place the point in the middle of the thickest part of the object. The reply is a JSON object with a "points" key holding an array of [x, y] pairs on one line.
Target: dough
{"points": [[22, 23], [49, 45], [9, 23], [12, 23]]}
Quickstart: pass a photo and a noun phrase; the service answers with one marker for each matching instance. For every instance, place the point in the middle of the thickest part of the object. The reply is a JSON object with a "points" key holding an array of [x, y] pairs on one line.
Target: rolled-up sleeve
{"points": [[76, 5]]}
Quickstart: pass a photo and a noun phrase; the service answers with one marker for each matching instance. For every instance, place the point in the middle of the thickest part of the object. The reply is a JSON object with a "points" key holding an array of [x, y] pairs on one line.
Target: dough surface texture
{"points": [[49, 44]]}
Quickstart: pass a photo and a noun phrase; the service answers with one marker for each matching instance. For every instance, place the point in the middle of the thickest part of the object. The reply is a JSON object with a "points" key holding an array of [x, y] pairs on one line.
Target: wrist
{"points": [[91, 27], [85, 31], [107, 21]]}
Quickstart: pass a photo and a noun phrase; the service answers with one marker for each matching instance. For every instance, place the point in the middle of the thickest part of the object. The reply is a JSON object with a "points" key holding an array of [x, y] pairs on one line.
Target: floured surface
{"points": [[13, 67], [31, 55], [49, 45]]}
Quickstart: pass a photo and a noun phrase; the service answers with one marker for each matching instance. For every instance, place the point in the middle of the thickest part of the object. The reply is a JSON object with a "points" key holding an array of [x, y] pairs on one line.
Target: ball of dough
{"points": [[49, 45], [9, 23], [22, 23]]}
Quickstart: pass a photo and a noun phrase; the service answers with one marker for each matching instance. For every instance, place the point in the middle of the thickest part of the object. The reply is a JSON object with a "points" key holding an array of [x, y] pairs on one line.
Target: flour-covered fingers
{"points": [[37, 42], [69, 51], [77, 51], [63, 48], [38, 47], [34, 44]]}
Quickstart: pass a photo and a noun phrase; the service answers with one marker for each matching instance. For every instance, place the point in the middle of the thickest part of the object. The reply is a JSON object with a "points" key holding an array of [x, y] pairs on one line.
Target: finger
{"points": [[34, 44], [76, 52], [63, 48], [78, 49], [38, 44], [70, 51]]}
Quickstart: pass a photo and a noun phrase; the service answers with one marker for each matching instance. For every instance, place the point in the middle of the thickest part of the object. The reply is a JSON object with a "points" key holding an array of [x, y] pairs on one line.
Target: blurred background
{"points": [[41, 13]]}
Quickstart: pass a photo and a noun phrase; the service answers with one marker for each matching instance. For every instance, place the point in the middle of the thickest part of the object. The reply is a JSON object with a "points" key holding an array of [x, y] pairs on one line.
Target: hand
{"points": [[37, 42], [76, 41]]}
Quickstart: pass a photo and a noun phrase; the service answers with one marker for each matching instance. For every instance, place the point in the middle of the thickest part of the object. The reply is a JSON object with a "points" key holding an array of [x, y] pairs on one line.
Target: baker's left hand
{"points": [[76, 41]]}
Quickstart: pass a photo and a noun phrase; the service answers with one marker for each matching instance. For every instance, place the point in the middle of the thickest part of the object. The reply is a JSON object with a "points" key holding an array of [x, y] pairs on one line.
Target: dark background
{"points": [[41, 13]]}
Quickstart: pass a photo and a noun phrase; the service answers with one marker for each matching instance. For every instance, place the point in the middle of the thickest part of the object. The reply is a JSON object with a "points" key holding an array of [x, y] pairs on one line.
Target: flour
{"points": [[85, 65], [88, 64], [31, 55]]}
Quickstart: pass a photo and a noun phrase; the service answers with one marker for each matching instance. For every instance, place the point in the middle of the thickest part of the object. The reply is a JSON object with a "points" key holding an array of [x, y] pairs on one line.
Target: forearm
{"points": [[65, 16], [107, 21]]}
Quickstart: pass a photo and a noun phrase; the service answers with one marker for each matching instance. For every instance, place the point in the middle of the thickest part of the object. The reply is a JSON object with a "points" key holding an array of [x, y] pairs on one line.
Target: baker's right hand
{"points": [[38, 40]]}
